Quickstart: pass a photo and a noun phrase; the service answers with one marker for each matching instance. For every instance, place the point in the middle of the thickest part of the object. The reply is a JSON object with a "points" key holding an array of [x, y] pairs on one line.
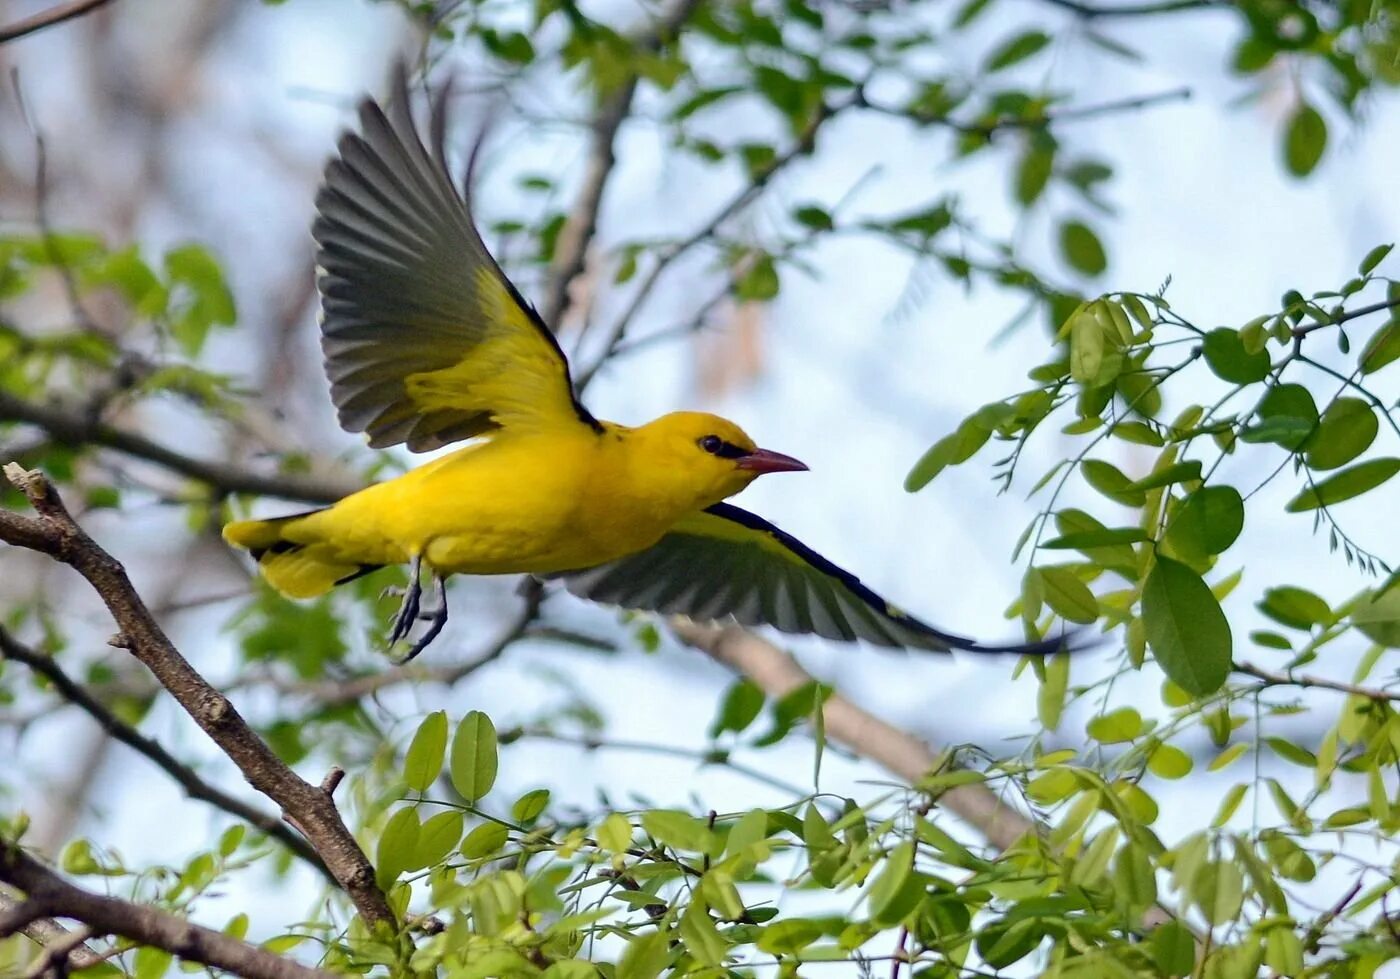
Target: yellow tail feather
{"points": [[295, 569]]}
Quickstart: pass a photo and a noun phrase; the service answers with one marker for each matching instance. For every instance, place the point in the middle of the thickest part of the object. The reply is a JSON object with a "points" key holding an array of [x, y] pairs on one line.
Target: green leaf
{"points": [[474, 756], [958, 447], [1347, 429], [1296, 607], [1173, 948], [397, 846], [529, 806], [789, 936], [678, 829], [700, 936], [1218, 890], [615, 833], [1108, 480], [1304, 141], [1228, 359], [1050, 698], [1209, 521], [1170, 762], [1358, 479], [897, 890], [760, 282], [1186, 628], [645, 957], [1382, 348], [1115, 727], [1288, 415], [1033, 171], [1067, 594], [1180, 472], [741, 705], [437, 838], [151, 962], [1082, 249], [1373, 258], [485, 840], [1378, 617], [1082, 540], [423, 762], [1016, 49], [813, 217]]}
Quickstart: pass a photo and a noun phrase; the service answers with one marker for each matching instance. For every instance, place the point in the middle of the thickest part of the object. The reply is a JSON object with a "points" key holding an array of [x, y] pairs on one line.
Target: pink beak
{"points": [[767, 461]]}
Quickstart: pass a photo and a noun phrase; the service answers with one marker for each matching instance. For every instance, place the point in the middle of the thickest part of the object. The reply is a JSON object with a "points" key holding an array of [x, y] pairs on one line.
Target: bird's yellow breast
{"points": [[528, 503]]}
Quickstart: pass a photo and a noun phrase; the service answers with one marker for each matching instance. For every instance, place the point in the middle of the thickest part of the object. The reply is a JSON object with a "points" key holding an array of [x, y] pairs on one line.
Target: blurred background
{"points": [[169, 123]]}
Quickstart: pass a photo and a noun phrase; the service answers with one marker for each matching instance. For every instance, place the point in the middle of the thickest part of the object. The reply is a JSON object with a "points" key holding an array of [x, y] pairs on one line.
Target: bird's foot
{"points": [[436, 619], [412, 612], [409, 607]]}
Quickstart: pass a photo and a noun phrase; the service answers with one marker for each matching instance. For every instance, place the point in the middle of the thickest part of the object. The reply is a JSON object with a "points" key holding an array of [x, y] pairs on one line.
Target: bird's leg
{"points": [[412, 599], [436, 619]]}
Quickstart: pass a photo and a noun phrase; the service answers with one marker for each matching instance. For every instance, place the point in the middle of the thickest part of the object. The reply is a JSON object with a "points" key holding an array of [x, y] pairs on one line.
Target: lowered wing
{"points": [[727, 563]]}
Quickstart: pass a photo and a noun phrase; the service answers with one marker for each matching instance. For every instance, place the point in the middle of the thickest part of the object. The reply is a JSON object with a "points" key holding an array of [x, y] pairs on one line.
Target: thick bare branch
{"points": [[78, 428], [776, 673], [46, 932], [55, 533], [897, 751], [194, 786], [48, 894], [49, 18]]}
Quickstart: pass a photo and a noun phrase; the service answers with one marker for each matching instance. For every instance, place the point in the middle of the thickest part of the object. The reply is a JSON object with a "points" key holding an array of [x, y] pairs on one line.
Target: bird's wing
{"points": [[426, 340], [726, 563]]}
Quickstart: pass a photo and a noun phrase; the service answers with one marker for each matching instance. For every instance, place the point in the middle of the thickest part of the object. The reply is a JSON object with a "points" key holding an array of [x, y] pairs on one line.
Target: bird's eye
{"points": [[712, 444]]}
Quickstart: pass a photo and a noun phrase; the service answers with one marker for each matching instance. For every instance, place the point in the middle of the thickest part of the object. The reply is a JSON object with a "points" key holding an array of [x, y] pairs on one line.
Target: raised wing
{"points": [[727, 563], [426, 340]]}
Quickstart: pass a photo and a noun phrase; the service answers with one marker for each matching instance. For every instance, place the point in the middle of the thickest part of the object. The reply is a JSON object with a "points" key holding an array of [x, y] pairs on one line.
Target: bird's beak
{"points": [[768, 461]]}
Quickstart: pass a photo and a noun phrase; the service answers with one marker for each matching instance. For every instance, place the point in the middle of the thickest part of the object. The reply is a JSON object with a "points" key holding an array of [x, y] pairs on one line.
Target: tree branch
{"points": [[1094, 11], [804, 145], [46, 932], [776, 673], [49, 18], [77, 428], [1273, 679], [54, 532], [571, 251], [49, 894], [194, 786], [897, 751]]}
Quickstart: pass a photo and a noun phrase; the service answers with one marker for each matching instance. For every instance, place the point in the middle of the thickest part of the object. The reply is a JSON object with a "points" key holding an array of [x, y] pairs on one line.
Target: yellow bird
{"points": [[428, 343]]}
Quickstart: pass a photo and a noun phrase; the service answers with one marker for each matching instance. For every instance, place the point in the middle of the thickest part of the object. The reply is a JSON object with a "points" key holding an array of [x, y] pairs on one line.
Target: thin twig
{"points": [[1094, 11], [804, 145], [49, 894], [1044, 121], [49, 18], [571, 250], [78, 428], [55, 533], [1273, 679], [194, 786], [333, 693]]}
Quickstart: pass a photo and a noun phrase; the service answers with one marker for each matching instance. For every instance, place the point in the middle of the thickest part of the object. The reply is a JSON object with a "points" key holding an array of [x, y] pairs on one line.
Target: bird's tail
{"points": [[294, 568]]}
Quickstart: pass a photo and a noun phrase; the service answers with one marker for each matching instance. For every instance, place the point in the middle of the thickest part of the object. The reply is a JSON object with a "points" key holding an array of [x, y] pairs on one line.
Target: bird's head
{"points": [[711, 455]]}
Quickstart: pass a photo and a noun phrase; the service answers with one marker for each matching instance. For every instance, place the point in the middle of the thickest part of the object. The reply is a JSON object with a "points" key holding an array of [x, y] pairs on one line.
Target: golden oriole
{"points": [[427, 343]]}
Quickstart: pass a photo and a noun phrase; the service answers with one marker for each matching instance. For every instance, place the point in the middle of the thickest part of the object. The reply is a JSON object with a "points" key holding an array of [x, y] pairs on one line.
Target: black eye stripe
{"points": [[717, 446]]}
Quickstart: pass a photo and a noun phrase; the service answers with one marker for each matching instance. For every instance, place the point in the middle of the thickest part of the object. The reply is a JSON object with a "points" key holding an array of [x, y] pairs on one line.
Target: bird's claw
{"points": [[411, 612]]}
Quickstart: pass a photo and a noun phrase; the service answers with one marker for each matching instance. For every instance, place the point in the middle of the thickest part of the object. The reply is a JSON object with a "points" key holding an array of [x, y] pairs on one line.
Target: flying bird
{"points": [[427, 343]]}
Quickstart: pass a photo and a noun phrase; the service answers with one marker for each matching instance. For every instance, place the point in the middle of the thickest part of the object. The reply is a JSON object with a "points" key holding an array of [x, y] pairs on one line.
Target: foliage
{"points": [[488, 885]]}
